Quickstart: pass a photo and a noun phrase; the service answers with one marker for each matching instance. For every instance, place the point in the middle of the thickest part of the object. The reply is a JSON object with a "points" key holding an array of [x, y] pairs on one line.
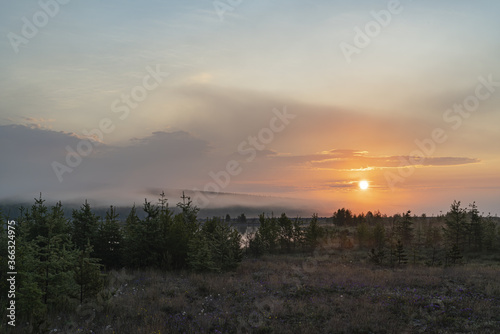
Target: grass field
{"points": [[334, 292]]}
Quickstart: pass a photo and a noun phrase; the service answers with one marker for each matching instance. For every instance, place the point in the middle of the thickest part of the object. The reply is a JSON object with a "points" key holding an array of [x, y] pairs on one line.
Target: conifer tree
{"points": [[454, 255], [285, 233], [379, 235], [215, 247], [84, 227], [369, 218], [242, 219], [58, 257], [269, 233], [456, 227], [405, 229], [87, 274], [226, 247], [109, 241], [36, 220], [29, 294], [157, 240], [377, 255], [256, 245], [433, 239], [151, 242], [49, 252], [342, 217], [377, 217], [28, 291], [362, 234], [476, 234], [490, 233], [400, 253], [164, 259], [361, 218], [200, 255], [182, 229], [265, 240], [392, 238], [418, 242], [313, 233], [133, 240]]}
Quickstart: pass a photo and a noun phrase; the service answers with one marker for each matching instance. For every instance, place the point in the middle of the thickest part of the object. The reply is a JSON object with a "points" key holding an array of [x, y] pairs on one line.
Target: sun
{"points": [[363, 185]]}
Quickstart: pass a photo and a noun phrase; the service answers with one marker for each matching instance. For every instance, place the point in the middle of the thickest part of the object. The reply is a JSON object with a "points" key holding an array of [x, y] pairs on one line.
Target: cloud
{"points": [[27, 153], [361, 160], [226, 116], [39, 123], [176, 160], [161, 159]]}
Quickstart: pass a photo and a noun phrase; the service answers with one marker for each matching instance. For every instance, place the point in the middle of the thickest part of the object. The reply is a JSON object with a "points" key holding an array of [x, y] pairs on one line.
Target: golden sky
{"points": [[113, 101]]}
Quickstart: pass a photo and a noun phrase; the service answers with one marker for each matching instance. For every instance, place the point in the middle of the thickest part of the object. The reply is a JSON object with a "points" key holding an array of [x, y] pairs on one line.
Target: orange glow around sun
{"points": [[363, 185]]}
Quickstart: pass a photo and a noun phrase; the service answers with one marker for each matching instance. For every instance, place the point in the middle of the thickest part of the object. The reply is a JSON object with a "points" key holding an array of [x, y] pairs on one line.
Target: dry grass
{"points": [[295, 294]]}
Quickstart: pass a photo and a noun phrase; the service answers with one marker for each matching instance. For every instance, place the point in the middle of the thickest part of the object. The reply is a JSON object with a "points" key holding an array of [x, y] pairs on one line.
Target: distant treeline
{"points": [[11, 210], [389, 240], [63, 261]]}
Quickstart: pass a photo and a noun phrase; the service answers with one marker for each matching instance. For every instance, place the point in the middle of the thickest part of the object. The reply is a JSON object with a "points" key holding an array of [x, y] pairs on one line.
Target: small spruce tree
{"points": [[400, 253], [109, 241], [87, 275], [84, 227], [313, 233]]}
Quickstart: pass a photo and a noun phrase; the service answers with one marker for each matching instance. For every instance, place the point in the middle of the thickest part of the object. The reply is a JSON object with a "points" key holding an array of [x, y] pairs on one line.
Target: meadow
{"points": [[327, 292], [167, 273]]}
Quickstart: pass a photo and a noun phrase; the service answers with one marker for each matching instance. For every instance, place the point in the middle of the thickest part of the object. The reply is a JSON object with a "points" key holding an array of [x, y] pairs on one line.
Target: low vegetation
{"points": [[167, 273], [337, 292]]}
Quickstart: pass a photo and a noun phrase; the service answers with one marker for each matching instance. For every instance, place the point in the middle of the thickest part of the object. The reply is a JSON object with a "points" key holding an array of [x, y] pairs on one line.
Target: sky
{"points": [[287, 101]]}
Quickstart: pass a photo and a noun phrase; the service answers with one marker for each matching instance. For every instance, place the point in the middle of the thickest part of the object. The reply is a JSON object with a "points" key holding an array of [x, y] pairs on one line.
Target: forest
{"points": [[64, 263]]}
